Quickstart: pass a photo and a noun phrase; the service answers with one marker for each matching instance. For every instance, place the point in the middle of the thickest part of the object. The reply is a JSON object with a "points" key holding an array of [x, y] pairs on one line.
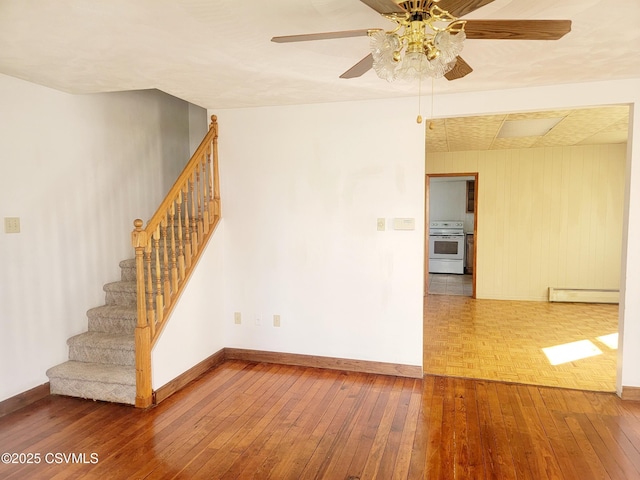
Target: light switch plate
{"points": [[381, 224], [11, 224]]}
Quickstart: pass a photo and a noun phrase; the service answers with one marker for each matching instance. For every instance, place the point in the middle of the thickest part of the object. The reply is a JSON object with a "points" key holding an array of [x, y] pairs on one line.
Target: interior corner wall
{"points": [[77, 170], [629, 341], [547, 217], [302, 189], [577, 96], [198, 126]]}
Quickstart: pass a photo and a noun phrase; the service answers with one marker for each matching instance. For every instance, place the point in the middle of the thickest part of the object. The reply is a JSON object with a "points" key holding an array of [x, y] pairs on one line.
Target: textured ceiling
{"points": [[218, 54], [578, 127]]}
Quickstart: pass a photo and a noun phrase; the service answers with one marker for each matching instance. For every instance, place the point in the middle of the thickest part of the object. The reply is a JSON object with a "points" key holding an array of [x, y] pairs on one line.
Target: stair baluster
{"points": [[168, 255]]}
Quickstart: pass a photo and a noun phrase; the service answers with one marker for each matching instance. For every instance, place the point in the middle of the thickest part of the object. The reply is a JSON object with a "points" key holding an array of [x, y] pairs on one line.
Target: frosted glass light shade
{"points": [[449, 45], [383, 47], [416, 65]]}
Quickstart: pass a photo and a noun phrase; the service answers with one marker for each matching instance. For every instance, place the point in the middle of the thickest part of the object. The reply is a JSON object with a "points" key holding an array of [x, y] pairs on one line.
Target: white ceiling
{"points": [[218, 53]]}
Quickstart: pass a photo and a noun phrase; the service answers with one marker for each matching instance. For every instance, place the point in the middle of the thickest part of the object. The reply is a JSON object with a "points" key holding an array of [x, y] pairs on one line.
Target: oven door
{"points": [[446, 247]]}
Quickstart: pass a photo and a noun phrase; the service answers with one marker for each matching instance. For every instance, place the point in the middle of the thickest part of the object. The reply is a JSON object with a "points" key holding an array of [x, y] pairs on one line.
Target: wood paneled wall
{"points": [[547, 217]]}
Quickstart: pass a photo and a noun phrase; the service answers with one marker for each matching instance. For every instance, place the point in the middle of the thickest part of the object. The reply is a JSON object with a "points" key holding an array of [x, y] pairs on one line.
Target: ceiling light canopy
{"points": [[425, 43]]}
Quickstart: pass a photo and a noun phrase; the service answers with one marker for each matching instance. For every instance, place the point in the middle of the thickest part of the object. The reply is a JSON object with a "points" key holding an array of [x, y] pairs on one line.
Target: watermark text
{"points": [[59, 458]]}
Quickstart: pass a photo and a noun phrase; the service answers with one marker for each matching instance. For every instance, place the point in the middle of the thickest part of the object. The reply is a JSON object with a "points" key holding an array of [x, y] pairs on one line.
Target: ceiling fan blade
{"points": [[360, 68], [323, 36], [517, 29], [459, 8], [384, 6], [459, 70]]}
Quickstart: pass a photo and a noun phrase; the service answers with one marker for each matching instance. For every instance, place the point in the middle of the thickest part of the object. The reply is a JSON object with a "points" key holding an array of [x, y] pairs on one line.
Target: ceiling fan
{"points": [[429, 36]]}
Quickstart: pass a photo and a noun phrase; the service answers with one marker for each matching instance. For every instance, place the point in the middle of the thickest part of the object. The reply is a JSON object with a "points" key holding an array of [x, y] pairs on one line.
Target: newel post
{"points": [[144, 397]]}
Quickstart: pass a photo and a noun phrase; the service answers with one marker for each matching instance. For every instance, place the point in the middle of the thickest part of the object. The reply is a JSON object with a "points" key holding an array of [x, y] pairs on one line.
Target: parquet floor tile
{"points": [[503, 340]]}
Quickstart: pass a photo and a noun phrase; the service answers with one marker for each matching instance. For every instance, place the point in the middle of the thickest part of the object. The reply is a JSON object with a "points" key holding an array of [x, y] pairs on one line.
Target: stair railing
{"points": [[169, 247]]}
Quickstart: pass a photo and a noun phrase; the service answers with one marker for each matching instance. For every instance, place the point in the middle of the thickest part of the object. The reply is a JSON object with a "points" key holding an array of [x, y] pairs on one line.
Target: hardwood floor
{"points": [[254, 420]]}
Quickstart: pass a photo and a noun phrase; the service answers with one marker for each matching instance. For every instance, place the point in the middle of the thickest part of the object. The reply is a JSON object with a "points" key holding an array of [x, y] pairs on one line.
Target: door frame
{"points": [[427, 185]]}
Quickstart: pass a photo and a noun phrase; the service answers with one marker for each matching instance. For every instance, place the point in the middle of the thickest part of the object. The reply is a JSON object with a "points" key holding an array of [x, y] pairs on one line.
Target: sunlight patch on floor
{"points": [[570, 352], [610, 340]]}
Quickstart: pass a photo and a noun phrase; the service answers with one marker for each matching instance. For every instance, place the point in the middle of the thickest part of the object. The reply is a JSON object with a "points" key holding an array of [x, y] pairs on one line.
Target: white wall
{"points": [[71, 167], [198, 126], [571, 96], [302, 187], [448, 200], [195, 329]]}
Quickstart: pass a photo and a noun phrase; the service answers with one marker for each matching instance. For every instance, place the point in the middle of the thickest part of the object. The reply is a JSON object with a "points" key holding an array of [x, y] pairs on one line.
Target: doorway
{"points": [[528, 247], [452, 198]]}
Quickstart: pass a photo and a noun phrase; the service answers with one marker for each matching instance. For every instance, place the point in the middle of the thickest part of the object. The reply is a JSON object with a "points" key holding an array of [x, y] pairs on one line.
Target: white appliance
{"points": [[446, 246]]}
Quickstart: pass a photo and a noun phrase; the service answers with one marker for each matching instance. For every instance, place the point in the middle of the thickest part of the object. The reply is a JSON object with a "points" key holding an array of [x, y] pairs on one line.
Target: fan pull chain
{"points": [[431, 117], [419, 119]]}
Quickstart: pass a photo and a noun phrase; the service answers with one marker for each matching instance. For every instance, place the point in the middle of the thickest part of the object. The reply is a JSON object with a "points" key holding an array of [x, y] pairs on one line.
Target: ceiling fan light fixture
{"points": [[426, 43], [435, 33]]}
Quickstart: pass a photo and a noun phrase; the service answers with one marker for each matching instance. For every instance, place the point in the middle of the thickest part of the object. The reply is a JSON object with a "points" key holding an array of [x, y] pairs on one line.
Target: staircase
{"points": [[101, 362], [112, 361]]}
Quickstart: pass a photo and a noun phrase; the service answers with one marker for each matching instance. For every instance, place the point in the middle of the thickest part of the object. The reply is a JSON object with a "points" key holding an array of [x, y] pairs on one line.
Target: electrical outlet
{"points": [[276, 320], [237, 318], [11, 224]]}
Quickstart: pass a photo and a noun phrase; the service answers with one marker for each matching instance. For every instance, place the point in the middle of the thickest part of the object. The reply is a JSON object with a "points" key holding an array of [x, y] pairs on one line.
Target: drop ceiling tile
{"points": [[472, 133], [607, 124], [436, 137], [514, 142]]}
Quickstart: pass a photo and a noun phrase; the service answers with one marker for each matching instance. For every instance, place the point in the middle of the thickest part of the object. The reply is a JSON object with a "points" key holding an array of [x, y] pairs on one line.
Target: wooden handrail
{"points": [[169, 247]]}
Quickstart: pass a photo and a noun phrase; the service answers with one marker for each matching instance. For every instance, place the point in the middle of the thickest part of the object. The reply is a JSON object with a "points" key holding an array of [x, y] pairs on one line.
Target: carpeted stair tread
{"points": [[110, 383], [113, 311], [113, 319], [107, 348], [128, 263], [128, 269], [103, 340], [120, 293], [120, 286], [94, 372]]}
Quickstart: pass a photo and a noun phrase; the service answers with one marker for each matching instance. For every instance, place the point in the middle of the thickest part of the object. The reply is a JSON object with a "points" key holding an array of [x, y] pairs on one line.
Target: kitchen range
{"points": [[446, 246]]}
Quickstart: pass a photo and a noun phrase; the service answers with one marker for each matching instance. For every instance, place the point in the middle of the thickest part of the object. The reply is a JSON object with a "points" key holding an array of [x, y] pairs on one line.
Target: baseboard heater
{"points": [[583, 295]]}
